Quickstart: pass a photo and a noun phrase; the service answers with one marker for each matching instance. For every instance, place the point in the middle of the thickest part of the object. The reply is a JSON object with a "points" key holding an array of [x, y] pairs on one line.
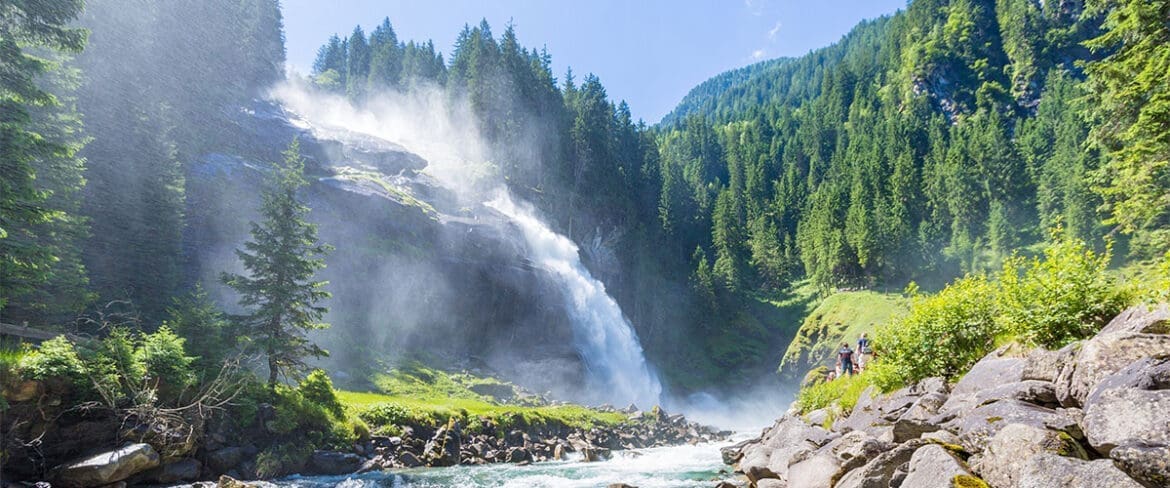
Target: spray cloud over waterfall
{"points": [[426, 122]]}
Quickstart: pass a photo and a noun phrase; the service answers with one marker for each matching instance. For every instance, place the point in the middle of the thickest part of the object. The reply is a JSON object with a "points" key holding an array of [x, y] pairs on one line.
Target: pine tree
{"points": [[1131, 105], [28, 215], [281, 259], [357, 64]]}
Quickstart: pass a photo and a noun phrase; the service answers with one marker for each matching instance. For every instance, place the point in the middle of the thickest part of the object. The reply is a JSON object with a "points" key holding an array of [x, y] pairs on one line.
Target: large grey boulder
{"points": [[934, 465], [1149, 465], [879, 471], [1000, 463], [174, 472], [1030, 391], [787, 439], [223, 460], [1130, 406], [996, 368], [826, 465], [917, 419], [1050, 470], [984, 422], [1137, 333], [1044, 365], [334, 463], [108, 467]]}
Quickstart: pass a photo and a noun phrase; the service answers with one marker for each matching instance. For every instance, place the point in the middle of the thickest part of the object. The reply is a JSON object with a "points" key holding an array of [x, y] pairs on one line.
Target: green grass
{"points": [[841, 317], [844, 392], [417, 395]]}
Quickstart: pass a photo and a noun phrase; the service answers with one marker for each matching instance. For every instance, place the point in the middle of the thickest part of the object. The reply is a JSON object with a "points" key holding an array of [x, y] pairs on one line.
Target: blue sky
{"points": [[647, 52]]}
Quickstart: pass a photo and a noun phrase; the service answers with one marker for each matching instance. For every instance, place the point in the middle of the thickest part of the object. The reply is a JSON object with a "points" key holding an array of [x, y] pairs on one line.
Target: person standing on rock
{"points": [[864, 351], [845, 359]]}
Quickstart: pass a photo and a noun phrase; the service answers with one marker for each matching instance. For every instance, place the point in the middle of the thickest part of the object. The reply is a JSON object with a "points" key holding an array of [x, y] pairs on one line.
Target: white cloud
{"points": [[774, 30], [759, 54]]}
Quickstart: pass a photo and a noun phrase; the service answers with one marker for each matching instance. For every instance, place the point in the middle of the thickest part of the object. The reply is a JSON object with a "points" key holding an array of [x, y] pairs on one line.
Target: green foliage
{"points": [[40, 172], [282, 259], [167, 366], [944, 334], [1129, 99], [1065, 296], [842, 393], [207, 334], [305, 420], [282, 459], [318, 389], [57, 359]]}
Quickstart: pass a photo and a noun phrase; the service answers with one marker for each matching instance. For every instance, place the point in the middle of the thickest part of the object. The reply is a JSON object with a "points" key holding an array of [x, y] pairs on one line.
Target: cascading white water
{"points": [[603, 335], [445, 136]]}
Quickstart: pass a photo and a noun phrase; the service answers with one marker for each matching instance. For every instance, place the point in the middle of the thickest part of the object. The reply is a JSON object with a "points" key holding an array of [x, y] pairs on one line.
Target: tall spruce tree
{"points": [[282, 259], [33, 141]]}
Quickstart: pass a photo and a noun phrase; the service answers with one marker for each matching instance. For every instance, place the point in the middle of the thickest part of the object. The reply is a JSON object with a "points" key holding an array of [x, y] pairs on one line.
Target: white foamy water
{"points": [[664, 467], [423, 123], [606, 340]]}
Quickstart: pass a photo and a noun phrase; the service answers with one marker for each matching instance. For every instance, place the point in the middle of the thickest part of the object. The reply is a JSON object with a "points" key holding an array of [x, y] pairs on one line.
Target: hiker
{"points": [[845, 359], [864, 351]]}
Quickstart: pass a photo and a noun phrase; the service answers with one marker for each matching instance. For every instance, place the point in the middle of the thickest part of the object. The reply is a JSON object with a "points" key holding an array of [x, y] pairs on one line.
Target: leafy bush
{"points": [[1050, 301], [318, 389], [57, 360], [943, 335], [305, 419], [167, 365], [1066, 296]]}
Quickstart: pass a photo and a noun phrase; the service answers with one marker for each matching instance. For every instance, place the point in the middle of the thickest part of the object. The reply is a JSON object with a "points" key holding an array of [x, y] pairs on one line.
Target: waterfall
{"points": [[618, 370]]}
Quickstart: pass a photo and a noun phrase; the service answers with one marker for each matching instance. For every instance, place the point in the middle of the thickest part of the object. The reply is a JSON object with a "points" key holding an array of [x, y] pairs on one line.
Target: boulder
{"points": [[1135, 334], [1130, 406], [1048, 470], [1044, 365], [1149, 465], [993, 370], [917, 419], [770, 483], [223, 460], [518, 455], [1000, 463], [982, 423], [181, 470], [333, 462], [1030, 391], [443, 449], [934, 465], [880, 470], [1141, 319], [409, 460], [825, 466], [226, 481], [107, 467]]}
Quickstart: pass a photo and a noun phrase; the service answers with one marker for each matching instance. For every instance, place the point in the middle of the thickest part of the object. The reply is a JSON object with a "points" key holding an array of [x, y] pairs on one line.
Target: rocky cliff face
{"points": [[416, 269], [1093, 414]]}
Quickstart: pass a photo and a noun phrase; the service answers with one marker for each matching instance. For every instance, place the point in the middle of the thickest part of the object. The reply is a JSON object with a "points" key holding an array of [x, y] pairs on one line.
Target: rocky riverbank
{"points": [[1093, 414], [418, 445]]}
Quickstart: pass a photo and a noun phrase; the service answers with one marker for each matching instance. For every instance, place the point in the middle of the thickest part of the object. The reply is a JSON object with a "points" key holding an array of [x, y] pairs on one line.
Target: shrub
{"points": [[943, 335], [57, 360], [119, 368], [318, 389], [196, 318], [844, 391], [167, 365], [309, 422], [1066, 296]]}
